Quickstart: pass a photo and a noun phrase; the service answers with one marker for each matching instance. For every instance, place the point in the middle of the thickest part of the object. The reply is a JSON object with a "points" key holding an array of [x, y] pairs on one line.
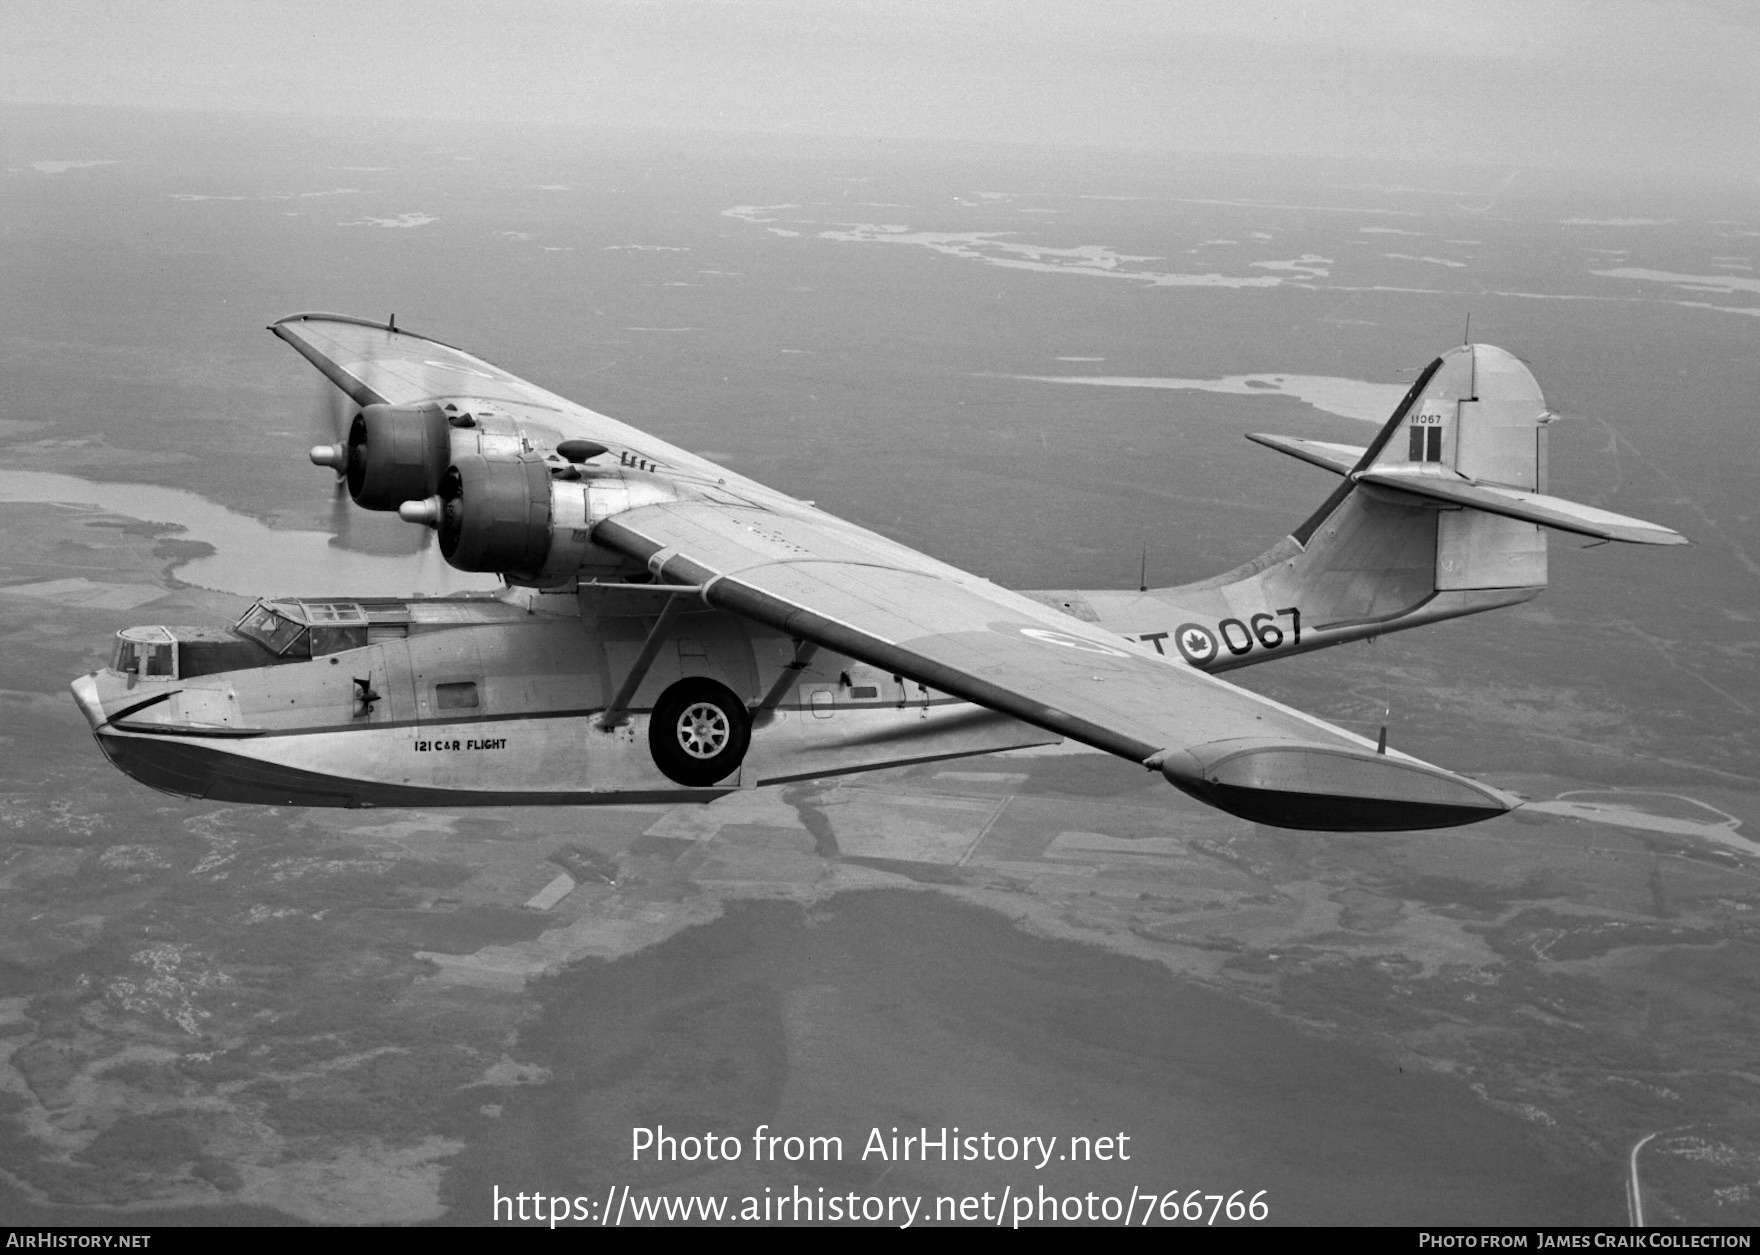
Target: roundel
{"points": [[1072, 642], [1196, 645]]}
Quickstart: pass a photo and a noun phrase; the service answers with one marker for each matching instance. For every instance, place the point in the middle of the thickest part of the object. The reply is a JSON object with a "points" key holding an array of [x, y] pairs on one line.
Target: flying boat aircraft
{"points": [[669, 630]]}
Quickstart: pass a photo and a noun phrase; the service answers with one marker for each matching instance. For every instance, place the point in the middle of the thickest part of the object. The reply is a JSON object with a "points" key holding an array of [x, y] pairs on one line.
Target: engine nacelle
{"points": [[396, 453], [517, 517], [495, 515]]}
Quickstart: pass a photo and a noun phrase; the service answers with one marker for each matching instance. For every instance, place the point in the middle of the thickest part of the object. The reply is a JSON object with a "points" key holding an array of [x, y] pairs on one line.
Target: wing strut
{"points": [[766, 706], [616, 711]]}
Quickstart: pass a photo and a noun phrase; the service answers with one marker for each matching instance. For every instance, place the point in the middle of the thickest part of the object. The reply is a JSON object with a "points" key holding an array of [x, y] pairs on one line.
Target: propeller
{"points": [[332, 412], [335, 416]]}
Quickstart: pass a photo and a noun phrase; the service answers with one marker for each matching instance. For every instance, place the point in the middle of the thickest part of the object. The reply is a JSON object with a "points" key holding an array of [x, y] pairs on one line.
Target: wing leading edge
{"points": [[378, 363]]}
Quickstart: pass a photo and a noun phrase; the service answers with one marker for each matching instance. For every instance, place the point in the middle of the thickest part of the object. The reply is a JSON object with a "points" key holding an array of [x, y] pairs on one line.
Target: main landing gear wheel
{"points": [[699, 732]]}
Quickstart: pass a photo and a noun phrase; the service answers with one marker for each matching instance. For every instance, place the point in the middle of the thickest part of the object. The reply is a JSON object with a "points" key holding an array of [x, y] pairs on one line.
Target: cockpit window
{"points": [[276, 633], [336, 626]]}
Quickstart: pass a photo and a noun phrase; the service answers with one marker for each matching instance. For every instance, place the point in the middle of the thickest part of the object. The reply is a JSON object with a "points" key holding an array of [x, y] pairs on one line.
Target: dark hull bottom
{"points": [[188, 768]]}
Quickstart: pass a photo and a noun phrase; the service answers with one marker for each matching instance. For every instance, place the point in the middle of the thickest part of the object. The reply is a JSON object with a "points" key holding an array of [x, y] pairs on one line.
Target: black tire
{"points": [[699, 732]]}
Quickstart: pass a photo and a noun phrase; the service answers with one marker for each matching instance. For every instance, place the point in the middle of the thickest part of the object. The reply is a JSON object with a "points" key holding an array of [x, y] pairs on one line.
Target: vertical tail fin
{"points": [[1476, 415], [1443, 514], [1372, 559]]}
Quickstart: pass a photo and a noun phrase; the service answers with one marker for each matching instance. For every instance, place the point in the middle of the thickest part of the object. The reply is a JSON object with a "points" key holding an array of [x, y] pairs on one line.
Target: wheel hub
{"points": [[703, 730]]}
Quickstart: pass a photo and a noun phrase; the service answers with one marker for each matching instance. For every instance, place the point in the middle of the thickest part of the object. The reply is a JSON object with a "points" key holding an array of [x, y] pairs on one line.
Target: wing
{"points": [[763, 556], [819, 579]]}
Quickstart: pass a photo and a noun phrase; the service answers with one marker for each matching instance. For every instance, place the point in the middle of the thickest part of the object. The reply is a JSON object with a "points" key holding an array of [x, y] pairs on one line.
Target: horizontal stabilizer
{"points": [[1340, 459], [1329, 788], [1531, 507]]}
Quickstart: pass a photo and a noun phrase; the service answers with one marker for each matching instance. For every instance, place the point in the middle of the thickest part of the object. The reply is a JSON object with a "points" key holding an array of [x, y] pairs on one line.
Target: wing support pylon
{"points": [[765, 707], [618, 711]]}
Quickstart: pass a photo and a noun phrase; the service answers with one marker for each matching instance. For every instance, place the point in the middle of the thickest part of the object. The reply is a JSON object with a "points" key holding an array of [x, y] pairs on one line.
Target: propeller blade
{"points": [[331, 413], [341, 514], [381, 535]]}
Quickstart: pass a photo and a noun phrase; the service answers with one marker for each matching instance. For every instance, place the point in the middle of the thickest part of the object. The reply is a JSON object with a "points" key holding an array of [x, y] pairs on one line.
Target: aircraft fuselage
{"points": [[520, 697]]}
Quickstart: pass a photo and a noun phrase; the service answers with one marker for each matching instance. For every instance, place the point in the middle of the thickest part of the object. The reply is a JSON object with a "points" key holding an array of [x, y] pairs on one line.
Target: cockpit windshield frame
{"points": [[273, 630]]}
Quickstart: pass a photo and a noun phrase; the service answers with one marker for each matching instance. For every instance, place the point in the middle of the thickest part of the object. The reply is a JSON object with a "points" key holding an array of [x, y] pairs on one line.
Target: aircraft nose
{"points": [[85, 695]]}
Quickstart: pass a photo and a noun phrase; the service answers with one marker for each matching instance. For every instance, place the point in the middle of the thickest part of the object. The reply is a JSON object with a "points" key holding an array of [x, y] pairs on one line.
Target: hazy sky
{"points": [[1661, 85]]}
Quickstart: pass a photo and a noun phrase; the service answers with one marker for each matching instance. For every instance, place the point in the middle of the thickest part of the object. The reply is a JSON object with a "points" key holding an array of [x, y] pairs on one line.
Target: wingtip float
{"points": [[670, 630]]}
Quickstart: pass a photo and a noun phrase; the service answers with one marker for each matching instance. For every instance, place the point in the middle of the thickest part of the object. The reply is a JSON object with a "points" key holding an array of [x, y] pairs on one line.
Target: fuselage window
{"points": [[456, 696]]}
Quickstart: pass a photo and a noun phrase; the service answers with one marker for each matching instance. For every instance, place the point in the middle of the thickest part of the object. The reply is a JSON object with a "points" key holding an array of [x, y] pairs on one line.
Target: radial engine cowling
{"points": [[397, 453], [517, 517], [496, 515]]}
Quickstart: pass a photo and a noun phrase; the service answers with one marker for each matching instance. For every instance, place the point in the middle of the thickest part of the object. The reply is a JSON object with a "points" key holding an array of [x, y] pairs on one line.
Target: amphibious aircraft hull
{"points": [[384, 722], [517, 762]]}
